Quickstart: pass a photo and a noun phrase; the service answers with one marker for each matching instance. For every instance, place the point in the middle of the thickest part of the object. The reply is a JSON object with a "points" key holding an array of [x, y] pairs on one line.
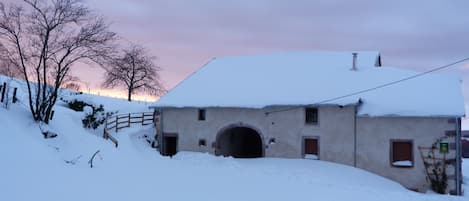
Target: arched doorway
{"points": [[240, 142]]}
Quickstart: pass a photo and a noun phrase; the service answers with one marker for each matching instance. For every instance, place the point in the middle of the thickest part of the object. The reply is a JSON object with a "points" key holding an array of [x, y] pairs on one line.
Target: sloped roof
{"points": [[312, 78]]}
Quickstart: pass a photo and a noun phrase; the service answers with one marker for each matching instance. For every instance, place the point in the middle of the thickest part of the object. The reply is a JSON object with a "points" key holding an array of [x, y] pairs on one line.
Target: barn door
{"points": [[170, 145]]}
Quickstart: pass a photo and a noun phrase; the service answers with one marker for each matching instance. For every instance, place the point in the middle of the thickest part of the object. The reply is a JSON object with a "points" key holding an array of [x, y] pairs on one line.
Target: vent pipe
{"points": [[354, 62]]}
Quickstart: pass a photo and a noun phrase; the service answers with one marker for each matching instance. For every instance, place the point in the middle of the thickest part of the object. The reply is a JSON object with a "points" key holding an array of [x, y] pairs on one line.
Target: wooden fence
{"points": [[120, 121]]}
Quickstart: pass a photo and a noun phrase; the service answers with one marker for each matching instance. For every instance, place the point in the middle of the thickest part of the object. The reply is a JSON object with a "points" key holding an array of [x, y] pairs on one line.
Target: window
{"points": [[202, 143], [272, 141], [311, 148], [402, 153], [201, 115], [311, 115]]}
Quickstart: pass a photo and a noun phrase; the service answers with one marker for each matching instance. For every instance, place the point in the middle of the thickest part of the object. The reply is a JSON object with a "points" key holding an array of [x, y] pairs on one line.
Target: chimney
{"points": [[354, 62]]}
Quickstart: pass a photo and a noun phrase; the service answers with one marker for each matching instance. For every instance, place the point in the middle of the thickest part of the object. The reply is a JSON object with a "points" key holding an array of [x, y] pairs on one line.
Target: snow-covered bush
{"points": [[94, 116], [77, 105], [88, 110]]}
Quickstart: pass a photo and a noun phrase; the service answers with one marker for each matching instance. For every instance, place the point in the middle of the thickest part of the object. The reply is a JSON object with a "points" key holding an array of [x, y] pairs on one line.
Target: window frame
{"points": [[303, 146], [391, 152], [306, 110]]}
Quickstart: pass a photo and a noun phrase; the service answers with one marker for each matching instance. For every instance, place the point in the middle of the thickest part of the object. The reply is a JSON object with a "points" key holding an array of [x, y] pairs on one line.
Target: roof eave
{"points": [[257, 107]]}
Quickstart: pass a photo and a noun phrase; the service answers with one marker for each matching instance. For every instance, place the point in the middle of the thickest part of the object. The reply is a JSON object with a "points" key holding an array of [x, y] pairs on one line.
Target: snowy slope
{"points": [[316, 78], [34, 168]]}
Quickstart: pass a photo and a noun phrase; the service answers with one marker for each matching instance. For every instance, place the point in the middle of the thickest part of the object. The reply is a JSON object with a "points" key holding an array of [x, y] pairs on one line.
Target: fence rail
{"points": [[120, 121]]}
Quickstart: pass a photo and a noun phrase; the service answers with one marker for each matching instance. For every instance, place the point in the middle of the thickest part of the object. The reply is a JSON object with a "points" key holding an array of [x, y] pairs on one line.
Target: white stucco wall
{"points": [[287, 127], [374, 137]]}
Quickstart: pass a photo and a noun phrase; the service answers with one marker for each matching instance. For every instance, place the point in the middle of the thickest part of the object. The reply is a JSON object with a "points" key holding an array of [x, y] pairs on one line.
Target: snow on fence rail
{"points": [[120, 121]]}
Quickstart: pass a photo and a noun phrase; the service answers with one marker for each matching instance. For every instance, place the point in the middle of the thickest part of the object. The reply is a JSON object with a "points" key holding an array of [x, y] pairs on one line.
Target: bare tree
{"points": [[7, 67], [9, 70], [44, 38], [71, 82], [135, 70], [73, 86]]}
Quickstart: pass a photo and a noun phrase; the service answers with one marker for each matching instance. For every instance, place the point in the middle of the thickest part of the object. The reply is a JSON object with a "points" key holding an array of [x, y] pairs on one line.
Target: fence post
{"points": [[143, 117], [128, 123], [105, 126], [14, 100], [3, 91], [105, 121], [117, 123]]}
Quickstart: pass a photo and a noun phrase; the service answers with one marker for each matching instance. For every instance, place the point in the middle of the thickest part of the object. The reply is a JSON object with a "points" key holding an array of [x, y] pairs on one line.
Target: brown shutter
{"points": [[402, 151], [311, 146]]}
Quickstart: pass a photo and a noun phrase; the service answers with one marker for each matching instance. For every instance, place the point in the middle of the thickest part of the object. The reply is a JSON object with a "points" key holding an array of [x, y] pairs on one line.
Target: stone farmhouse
{"points": [[342, 107]]}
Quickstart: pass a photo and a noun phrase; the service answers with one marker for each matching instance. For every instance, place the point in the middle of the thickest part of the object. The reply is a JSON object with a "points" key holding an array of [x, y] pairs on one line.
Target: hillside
{"points": [[34, 168]]}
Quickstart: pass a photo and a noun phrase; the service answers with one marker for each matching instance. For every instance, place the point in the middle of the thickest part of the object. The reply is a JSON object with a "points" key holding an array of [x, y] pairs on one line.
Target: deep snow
{"points": [[34, 168]]}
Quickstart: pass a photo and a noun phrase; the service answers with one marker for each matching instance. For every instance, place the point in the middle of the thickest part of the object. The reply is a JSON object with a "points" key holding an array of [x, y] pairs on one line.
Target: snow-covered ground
{"points": [[34, 168]]}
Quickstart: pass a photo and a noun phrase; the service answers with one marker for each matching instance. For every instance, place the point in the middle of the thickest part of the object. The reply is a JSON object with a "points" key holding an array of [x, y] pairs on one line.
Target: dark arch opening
{"points": [[239, 142]]}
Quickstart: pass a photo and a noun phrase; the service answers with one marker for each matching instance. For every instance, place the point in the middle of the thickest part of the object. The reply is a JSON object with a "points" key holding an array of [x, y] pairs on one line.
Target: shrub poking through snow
{"points": [[440, 181], [94, 115], [435, 166], [92, 158], [74, 160], [49, 134], [77, 105], [46, 132], [150, 140]]}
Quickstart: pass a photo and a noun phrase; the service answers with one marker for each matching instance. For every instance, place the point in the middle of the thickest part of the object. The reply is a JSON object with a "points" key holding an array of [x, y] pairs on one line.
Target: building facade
{"points": [[337, 135], [336, 107]]}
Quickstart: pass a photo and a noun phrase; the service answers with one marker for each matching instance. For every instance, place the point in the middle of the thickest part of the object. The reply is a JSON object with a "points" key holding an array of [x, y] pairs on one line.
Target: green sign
{"points": [[444, 147]]}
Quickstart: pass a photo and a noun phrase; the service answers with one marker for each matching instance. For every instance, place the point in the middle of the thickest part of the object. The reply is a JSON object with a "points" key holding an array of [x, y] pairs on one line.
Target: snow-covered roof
{"points": [[312, 78]]}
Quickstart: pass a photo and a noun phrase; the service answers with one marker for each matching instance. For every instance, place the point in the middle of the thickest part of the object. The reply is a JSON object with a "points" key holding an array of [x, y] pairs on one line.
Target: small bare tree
{"points": [[71, 82], [7, 67], [73, 86], [135, 70], [44, 38]]}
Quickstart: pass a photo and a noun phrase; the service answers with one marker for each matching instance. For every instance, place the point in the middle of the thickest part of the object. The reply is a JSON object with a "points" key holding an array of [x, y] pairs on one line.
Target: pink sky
{"points": [[418, 35], [186, 34]]}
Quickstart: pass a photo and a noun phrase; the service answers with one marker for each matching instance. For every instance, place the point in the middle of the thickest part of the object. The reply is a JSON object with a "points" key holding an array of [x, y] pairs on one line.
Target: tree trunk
{"points": [[129, 96], [48, 110]]}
